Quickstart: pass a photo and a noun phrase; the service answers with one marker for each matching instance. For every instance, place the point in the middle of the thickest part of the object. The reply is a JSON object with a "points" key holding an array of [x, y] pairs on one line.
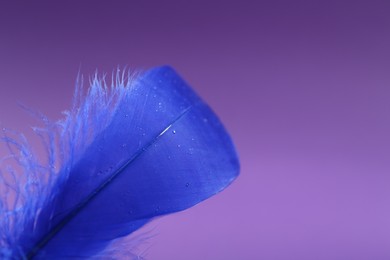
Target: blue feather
{"points": [[146, 147]]}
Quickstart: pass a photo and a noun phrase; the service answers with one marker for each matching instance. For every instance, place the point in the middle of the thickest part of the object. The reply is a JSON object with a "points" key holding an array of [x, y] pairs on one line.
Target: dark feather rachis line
{"points": [[41, 244]]}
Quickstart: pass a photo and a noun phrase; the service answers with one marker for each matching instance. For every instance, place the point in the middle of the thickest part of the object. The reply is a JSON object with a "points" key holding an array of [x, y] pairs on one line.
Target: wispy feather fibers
{"points": [[145, 147]]}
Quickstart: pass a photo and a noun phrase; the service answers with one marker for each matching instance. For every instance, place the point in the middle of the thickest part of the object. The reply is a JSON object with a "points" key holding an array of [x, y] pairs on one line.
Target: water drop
{"points": [[187, 184], [174, 132], [179, 145]]}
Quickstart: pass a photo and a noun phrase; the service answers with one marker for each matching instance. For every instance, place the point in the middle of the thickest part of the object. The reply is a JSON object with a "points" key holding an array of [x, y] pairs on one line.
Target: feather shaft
{"points": [[41, 244]]}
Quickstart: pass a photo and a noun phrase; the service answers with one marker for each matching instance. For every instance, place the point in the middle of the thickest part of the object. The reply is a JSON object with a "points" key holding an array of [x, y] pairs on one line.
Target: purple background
{"points": [[303, 87]]}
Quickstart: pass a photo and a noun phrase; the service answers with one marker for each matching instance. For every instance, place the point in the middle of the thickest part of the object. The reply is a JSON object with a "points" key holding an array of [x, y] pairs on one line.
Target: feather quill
{"points": [[146, 146]]}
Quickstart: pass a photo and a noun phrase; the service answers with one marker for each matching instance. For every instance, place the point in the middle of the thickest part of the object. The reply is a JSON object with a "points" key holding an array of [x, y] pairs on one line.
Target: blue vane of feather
{"points": [[145, 147]]}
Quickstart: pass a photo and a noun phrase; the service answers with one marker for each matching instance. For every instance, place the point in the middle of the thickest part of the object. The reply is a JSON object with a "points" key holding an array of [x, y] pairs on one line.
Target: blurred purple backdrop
{"points": [[303, 87]]}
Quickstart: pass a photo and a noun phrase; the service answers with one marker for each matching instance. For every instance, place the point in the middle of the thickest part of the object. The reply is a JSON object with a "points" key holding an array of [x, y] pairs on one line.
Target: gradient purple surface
{"points": [[302, 86]]}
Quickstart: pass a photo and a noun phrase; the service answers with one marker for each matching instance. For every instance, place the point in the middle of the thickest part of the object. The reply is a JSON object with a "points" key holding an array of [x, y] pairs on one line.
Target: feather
{"points": [[145, 147]]}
